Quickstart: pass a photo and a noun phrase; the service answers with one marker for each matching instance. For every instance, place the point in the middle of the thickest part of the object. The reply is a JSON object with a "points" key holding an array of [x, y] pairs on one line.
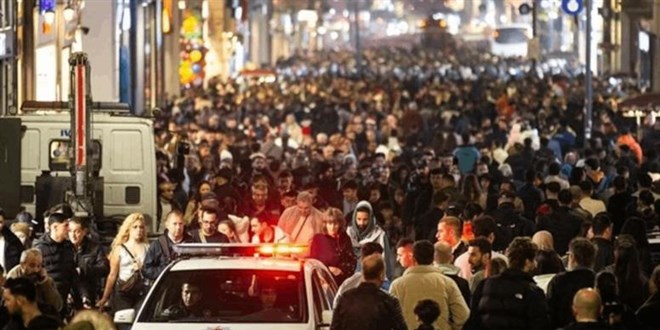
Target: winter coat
{"points": [[373, 233], [562, 289], [367, 307], [157, 258], [509, 226], [334, 252], [563, 226], [428, 282], [13, 248], [59, 262], [94, 265], [509, 301], [604, 253], [452, 272], [426, 225], [630, 141], [46, 290]]}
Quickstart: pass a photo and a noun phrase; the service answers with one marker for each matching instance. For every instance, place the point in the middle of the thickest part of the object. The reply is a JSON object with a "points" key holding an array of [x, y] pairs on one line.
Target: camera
{"points": [[183, 148]]}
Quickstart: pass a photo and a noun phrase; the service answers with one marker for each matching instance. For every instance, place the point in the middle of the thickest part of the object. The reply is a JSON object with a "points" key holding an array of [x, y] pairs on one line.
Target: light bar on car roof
{"points": [[239, 249]]}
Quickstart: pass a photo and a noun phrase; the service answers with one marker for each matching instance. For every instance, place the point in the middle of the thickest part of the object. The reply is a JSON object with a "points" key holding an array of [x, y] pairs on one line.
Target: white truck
{"points": [[108, 165]]}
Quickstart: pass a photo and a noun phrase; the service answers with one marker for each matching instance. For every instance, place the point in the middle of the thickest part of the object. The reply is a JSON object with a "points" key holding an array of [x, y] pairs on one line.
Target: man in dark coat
{"points": [[602, 230], [563, 225], [91, 260], [427, 224], [531, 196], [160, 251], [509, 223], [619, 203], [59, 260], [511, 300], [563, 286], [367, 307], [11, 245]]}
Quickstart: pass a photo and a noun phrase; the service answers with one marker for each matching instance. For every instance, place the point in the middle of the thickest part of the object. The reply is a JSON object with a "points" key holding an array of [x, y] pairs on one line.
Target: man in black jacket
{"points": [[11, 245], [511, 300], [160, 251], [367, 307], [561, 223], [562, 288], [91, 260], [509, 223], [426, 225], [602, 230], [59, 259]]}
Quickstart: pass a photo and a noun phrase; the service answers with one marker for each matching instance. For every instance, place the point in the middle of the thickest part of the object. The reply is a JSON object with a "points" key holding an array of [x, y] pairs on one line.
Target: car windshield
{"points": [[227, 296], [510, 35]]}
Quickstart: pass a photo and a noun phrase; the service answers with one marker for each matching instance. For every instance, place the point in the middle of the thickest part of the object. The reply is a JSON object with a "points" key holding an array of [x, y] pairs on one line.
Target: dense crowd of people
{"points": [[441, 192], [471, 174]]}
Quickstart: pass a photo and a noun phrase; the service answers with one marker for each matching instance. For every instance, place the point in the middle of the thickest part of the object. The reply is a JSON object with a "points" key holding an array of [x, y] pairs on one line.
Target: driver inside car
{"points": [[267, 294], [190, 304]]}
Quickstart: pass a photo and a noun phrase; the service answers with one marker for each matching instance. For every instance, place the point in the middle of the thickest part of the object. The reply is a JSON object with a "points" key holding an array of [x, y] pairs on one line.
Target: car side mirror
{"points": [[326, 320], [125, 316]]}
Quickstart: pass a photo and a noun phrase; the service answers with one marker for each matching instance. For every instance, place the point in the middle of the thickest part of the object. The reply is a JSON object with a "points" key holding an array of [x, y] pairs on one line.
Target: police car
{"points": [[236, 287]]}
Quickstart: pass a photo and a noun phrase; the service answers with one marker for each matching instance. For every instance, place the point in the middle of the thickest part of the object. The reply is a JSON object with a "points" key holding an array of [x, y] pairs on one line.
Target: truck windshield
{"points": [[61, 152], [227, 296]]}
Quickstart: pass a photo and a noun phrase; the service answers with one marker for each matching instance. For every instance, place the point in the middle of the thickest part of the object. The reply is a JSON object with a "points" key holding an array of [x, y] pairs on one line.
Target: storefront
{"points": [[54, 37], [140, 53], [123, 40]]}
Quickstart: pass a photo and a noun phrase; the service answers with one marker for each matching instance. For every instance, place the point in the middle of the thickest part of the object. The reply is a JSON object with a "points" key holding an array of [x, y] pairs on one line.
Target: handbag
{"points": [[133, 285]]}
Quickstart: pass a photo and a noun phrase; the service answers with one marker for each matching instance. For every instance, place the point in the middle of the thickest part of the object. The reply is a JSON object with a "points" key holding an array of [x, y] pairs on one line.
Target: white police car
{"points": [[236, 287]]}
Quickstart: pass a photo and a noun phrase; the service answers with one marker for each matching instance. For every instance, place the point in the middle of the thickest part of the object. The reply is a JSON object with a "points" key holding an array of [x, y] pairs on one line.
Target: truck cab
{"points": [[122, 154]]}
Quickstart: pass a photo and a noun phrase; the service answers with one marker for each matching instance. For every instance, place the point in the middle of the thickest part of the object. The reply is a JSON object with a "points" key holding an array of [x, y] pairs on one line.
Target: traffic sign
{"points": [[572, 7]]}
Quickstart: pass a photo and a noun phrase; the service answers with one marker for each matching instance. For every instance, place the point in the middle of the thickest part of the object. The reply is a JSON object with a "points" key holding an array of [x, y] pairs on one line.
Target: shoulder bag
{"points": [[133, 285]]}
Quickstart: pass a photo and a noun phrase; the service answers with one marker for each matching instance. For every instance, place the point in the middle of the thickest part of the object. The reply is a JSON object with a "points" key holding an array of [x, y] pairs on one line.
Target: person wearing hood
{"points": [[363, 229]]}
